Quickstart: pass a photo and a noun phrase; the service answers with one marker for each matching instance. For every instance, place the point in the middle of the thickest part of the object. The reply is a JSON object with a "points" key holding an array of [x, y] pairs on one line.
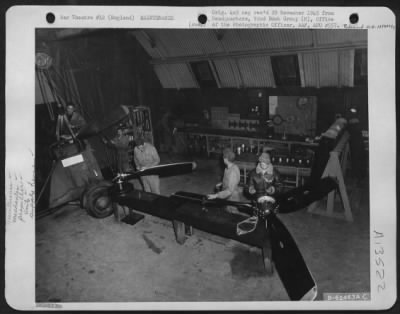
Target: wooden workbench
{"points": [[215, 140]]}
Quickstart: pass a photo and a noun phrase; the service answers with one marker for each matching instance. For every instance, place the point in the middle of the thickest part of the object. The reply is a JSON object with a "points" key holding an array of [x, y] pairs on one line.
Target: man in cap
{"points": [[122, 143], [69, 121], [264, 178], [75, 119], [229, 186], [145, 156]]}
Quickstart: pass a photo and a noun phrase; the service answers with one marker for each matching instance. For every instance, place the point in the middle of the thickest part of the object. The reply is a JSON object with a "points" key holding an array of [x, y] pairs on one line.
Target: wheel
{"points": [[98, 201]]}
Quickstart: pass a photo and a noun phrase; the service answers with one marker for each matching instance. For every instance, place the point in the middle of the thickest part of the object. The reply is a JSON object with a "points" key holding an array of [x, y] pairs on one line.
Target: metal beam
{"points": [[261, 52]]}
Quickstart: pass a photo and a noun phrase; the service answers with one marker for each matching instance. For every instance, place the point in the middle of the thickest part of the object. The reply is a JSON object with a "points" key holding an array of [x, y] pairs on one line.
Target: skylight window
{"points": [[203, 73], [286, 70]]}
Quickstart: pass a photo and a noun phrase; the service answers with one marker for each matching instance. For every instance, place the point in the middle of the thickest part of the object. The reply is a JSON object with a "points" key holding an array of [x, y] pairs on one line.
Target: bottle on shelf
{"points": [[270, 128]]}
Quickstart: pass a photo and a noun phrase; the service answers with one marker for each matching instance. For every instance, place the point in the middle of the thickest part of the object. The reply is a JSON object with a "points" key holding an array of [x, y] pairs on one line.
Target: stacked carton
{"points": [[219, 117]]}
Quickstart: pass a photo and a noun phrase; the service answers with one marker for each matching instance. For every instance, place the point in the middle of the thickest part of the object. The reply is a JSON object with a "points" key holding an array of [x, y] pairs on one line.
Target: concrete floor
{"points": [[83, 259]]}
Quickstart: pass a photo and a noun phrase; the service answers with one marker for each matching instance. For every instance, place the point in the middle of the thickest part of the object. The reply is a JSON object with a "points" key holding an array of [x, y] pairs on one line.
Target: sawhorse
{"points": [[336, 168]]}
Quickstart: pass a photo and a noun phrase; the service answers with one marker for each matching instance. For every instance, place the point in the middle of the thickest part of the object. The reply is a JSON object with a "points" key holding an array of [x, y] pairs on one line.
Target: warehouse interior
{"points": [[300, 95]]}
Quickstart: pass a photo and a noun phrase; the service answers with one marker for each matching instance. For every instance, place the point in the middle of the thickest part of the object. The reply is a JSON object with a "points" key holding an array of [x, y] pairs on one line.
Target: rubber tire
{"points": [[91, 197], [91, 186]]}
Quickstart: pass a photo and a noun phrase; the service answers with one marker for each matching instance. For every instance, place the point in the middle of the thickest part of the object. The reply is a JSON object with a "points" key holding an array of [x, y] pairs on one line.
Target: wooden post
{"points": [[118, 209], [179, 228], [267, 259]]}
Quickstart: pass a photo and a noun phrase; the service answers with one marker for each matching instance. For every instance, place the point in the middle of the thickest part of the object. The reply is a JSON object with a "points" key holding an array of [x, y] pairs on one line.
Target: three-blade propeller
{"points": [[286, 255]]}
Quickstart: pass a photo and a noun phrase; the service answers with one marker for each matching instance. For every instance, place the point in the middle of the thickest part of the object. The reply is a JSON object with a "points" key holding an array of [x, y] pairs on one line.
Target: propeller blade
{"points": [[98, 126], [216, 201], [303, 196], [242, 206], [164, 170], [89, 130], [289, 262]]}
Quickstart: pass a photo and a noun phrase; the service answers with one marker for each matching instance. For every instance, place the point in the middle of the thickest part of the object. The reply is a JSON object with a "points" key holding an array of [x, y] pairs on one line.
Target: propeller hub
{"points": [[121, 187], [265, 205]]}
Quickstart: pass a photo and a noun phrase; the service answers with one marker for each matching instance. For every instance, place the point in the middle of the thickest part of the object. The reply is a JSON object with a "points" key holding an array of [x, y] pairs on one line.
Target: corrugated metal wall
{"points": [[228, 73], [256, 71], [346, 68], [258, 39], [241, 56], [309, 66], [166, 43], [175, 75], [328, 68], [340, 36]]}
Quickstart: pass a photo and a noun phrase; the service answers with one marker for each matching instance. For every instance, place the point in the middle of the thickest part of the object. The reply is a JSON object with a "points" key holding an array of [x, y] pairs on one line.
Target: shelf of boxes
{"points": [[216, 144], [196, 144]]}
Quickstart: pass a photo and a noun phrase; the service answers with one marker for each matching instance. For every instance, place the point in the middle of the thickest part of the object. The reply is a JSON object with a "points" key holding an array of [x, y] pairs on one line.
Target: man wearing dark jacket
{"points": [[263, 179]]}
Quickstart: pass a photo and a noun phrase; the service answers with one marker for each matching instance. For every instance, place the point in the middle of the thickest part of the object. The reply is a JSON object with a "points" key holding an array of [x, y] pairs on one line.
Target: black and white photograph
{"points": [[202, 165]]}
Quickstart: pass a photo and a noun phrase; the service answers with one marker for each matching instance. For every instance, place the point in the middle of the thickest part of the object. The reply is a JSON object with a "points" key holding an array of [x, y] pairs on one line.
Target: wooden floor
{"points": [[83, 259]]}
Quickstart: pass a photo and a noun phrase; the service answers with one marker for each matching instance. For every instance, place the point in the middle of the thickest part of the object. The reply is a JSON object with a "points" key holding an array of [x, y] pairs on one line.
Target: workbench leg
{"points": [[342, 189], [330, 203], [345, 158], [207, 147], [188, 230], [345, 200], [312, 208], [179, 229]]}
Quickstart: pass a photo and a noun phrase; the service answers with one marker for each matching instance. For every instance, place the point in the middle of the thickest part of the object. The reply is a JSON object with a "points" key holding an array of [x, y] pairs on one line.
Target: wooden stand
{"points": [[182, 231], [126, 215], [336, 168]]}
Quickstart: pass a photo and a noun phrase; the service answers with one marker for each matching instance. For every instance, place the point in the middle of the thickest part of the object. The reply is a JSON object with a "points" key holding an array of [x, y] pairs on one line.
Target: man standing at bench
{"points": [[145, 156], [229, 187]]}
